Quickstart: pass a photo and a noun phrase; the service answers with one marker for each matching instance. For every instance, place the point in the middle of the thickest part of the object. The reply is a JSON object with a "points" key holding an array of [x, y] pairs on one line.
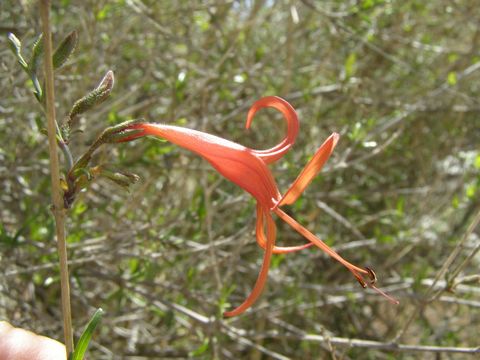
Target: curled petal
{"points": [[262, 240], [262, 276], [273, 154]]}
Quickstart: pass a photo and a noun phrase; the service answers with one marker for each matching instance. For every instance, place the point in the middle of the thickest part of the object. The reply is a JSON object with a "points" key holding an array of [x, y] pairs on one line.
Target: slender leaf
{"points": [[84, 340], [37, 52], [16, 47], [65, 50]]}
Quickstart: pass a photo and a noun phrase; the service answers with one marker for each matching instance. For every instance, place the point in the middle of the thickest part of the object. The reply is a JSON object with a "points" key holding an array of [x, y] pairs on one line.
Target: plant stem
{"points": [[58, 206]]}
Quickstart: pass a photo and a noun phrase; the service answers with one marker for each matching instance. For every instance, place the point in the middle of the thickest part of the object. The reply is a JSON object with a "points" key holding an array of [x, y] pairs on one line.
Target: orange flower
{"points": [[248, 169]]}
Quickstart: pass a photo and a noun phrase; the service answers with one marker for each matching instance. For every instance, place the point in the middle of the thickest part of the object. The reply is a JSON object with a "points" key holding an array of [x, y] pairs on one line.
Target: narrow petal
{"points": [[262, 240], [262, 276], [308, 235], [259, 234], [310, 170], [291, 249], [273, 154], [358, 272]]}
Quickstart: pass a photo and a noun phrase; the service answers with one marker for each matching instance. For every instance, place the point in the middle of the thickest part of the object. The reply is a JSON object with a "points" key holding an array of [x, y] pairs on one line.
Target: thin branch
{"points": [[58, 208], [236, 334], [341, 219], [241, 335], [390, 346], [441, 273], [474, 252]]}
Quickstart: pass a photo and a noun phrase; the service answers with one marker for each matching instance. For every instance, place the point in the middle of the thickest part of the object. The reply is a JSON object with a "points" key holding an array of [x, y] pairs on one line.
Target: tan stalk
{"points": [[58, 206]]}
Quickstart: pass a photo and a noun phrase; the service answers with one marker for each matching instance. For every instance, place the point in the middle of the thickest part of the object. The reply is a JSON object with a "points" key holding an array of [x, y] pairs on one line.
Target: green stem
{"points": [[64, 147]]}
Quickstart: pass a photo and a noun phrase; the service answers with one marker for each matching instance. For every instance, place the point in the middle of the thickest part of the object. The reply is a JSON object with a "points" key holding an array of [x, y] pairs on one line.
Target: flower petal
{"points": [[262, 240], [327, 249], [234, 161], [273, 154], [310, 170], [262, 276]]}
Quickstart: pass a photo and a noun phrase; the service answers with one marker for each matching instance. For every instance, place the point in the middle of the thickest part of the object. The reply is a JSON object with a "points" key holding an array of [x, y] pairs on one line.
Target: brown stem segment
{"points": [[58, 207]]}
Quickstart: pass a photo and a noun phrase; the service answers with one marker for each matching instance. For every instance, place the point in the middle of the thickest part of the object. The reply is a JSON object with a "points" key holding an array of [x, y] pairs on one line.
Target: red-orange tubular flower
{"points": [[248, 169]]}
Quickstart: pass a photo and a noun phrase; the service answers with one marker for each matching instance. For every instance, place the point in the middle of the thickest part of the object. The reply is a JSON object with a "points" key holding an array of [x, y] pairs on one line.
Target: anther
{"points": [[372, 276]]}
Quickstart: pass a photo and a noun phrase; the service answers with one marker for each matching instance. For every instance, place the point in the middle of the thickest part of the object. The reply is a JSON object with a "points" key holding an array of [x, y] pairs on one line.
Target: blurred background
{"points": [[399, 80]]}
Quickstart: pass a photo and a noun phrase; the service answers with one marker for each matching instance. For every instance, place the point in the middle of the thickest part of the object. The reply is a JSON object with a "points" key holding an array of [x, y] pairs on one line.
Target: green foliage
{"points": [[201, 349], [32, 68], [82, 344], [37, 53], [452, 78], [16, 47], [65, 50], [350, 64]]}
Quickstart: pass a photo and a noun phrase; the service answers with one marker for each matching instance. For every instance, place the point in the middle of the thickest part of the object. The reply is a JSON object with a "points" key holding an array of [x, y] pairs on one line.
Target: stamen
{"points": [[371, 285], [385, 295]]}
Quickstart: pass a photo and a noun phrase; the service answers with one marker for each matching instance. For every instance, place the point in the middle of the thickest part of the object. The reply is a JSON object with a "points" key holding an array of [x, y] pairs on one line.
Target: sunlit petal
{"points": [[262, 276], [273, 154], [327, 249], [234, 161], [310, 170], [261, 238], [248, 169]]}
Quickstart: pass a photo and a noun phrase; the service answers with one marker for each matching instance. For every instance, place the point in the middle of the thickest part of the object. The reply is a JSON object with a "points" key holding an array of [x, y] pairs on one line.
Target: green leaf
{"points": [[471, 190], [477, 162], [87, 334], [16, 47], [452, 78], [202, 20], [201, 349], [400, 206], [103, 13], [277, 260], [350, 65], [37, 52], [65, 50], [455, 202], [38, 90]]}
